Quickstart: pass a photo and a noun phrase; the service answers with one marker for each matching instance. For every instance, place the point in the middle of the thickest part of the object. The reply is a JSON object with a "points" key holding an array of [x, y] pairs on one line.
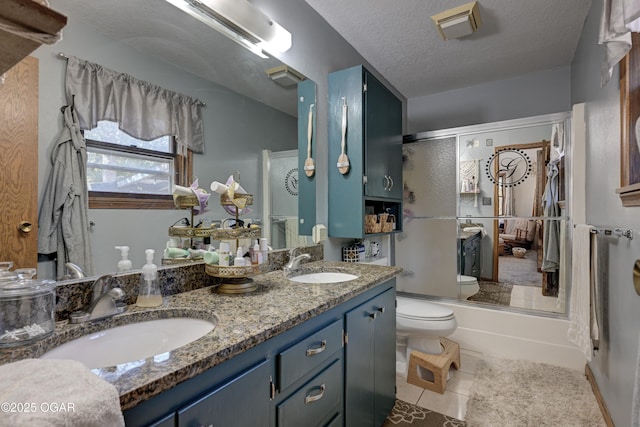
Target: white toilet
{"points": [[468, 286], [419, 326]]}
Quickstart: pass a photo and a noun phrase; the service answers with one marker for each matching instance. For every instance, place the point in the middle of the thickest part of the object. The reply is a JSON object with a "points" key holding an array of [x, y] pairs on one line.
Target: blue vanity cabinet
{"points": [[299, 377], [373, 144], [470, 255], [311, 380], [370, 361], [249, 393]]}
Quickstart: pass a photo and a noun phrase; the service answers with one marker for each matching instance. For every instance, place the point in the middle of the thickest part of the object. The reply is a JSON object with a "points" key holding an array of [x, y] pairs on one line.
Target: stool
{"points": [[438, 364]]}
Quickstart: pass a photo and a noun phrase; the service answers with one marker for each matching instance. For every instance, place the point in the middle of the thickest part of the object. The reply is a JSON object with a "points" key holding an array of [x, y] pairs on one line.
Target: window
{"points": [[126, 172]]}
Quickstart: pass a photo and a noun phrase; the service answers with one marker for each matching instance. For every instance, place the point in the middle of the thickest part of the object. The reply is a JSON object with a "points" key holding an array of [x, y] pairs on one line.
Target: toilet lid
{"points": [[467, 280], [422, 310]]}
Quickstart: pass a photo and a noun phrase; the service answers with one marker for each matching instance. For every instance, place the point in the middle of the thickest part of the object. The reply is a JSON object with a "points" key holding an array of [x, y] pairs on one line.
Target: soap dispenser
{"points": [[125, 263], [149, 294]]}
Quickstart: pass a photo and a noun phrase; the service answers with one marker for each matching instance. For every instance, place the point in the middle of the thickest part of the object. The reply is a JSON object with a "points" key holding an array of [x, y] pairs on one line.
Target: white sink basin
{"points": [[323, 277], [131, 342]]}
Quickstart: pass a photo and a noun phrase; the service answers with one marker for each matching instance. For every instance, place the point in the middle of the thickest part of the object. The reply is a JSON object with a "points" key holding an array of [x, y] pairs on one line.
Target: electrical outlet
{"points": [[489, 142], [486, 201]]}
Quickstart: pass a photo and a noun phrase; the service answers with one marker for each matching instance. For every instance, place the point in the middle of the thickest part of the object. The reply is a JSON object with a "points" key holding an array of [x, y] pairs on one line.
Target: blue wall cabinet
{"points": [[373, 144], [370, 361]]}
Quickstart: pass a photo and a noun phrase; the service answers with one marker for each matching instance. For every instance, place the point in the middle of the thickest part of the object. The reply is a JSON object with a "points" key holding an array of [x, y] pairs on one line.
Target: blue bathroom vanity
{"points": [[310, 355]]}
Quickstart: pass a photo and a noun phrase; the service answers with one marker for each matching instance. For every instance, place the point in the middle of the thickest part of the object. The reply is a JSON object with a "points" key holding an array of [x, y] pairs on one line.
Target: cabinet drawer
{"points": [[302, 357], [317, 402]]}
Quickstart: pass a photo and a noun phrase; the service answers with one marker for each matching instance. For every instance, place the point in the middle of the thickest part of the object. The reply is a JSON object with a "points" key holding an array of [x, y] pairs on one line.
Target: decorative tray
{"points": [[216, 233], [226, 201], [235, 272], [184, 202]]}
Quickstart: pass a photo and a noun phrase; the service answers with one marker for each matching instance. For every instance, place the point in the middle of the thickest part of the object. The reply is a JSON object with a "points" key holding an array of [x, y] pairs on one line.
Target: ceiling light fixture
{"points": [[240, 21], [459, 21], [285, 76]]}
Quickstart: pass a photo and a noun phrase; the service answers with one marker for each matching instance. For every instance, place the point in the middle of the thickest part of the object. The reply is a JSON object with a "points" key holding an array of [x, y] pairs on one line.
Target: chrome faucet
{"points": [[75, 271], [103, 302], [294, 261]]}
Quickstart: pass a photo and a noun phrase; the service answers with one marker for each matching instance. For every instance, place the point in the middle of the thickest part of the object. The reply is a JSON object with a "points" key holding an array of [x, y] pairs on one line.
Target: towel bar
{"points": [[618, 232]]}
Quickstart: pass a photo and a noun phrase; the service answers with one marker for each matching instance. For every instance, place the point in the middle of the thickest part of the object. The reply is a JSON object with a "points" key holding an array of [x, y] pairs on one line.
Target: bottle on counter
{"points": [[149, 294], [256, 255], [224, 254], [125, 263], [264, 249], [238, 261]]}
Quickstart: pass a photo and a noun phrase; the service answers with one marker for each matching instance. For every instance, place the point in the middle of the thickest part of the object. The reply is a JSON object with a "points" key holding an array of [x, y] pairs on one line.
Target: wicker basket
{"points": [[518, 252], [390, 224], [371, 224]]}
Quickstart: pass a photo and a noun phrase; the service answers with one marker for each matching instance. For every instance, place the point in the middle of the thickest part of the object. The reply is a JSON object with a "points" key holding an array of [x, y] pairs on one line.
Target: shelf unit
{"points": [[235, 279], [30, 17]]}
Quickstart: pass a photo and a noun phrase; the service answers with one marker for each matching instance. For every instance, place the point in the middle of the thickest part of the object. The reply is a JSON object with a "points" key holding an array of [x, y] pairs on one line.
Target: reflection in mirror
{"points": [[476, 200], [307, 156], [245, 112], [280, 209]]}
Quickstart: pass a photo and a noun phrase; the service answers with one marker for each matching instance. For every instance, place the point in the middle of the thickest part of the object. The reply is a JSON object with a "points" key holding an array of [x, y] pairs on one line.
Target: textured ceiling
{"points": [[398, 39]]}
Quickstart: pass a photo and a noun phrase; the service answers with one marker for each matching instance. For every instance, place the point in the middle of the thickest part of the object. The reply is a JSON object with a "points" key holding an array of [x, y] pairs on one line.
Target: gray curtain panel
{"points": [[143, 110]]}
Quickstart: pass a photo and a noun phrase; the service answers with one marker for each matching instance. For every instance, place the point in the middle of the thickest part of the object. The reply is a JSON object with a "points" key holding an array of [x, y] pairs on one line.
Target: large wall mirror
{"points": [[486, 214], [245, 111]]}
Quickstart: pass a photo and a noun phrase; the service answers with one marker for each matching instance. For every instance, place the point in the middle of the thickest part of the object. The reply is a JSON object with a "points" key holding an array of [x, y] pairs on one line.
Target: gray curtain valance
{"points": [[142, 110]]}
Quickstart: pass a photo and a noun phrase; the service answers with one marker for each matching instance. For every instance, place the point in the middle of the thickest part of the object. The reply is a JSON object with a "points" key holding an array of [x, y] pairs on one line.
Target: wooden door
{"points": [[19, 164]]}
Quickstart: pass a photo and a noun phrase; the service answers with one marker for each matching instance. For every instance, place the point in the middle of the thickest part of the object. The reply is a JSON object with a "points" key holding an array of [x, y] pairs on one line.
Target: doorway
{"points": [[518, 246]]}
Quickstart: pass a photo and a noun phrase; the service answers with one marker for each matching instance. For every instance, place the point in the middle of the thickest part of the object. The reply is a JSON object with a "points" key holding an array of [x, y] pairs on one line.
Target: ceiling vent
{"points": [[459, 21], [285, 76]]}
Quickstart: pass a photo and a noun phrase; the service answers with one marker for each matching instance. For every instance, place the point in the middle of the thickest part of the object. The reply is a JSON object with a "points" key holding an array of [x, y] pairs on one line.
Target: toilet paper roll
{"points": [[211, 257], [179, 190], [176, 253], [218, 187]]}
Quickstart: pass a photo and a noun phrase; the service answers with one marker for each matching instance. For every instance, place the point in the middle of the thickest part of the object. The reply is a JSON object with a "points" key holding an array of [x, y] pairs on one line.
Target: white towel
{"points": [[292, 238], [579, 331], [635, 402], [619, 17], [55, 393]]}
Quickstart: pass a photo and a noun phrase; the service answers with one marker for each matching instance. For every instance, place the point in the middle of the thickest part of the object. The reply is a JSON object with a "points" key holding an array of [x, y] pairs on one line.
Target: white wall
{"points": [[533, 94], [614, 366]]}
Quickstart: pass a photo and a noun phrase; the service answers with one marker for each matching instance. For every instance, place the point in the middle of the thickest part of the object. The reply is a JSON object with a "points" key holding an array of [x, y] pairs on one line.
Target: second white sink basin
{"points": [[323, 277], [131, 342]]}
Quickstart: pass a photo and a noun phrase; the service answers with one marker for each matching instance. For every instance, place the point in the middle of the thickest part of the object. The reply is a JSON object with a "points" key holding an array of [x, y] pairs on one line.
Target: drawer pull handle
{"points": [[312, 398], [381, 309], [373, 315], [323, 347]]}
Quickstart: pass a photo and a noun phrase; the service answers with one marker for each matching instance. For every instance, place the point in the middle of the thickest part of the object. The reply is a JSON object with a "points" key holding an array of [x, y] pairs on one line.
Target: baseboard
{"points": [[599, 399]]}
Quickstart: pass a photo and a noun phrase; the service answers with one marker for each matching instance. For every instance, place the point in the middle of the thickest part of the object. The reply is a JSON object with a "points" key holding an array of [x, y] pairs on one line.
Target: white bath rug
{"points": [[521, 393]]}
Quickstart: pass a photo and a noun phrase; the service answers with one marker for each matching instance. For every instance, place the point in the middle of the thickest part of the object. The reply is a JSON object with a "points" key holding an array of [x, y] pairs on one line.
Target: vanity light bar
{"points": [[241, 22]]}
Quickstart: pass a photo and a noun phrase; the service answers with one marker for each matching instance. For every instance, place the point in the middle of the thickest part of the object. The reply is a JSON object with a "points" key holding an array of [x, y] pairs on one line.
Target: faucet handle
{"points": [[116, 293]]}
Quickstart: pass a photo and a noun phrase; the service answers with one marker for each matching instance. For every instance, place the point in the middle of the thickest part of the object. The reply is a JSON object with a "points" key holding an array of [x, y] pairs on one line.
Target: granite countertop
{"points": [[243, 321]]}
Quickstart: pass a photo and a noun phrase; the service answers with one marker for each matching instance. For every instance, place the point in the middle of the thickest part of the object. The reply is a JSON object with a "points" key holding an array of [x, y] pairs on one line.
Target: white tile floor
{"points": [[454, 400]]}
